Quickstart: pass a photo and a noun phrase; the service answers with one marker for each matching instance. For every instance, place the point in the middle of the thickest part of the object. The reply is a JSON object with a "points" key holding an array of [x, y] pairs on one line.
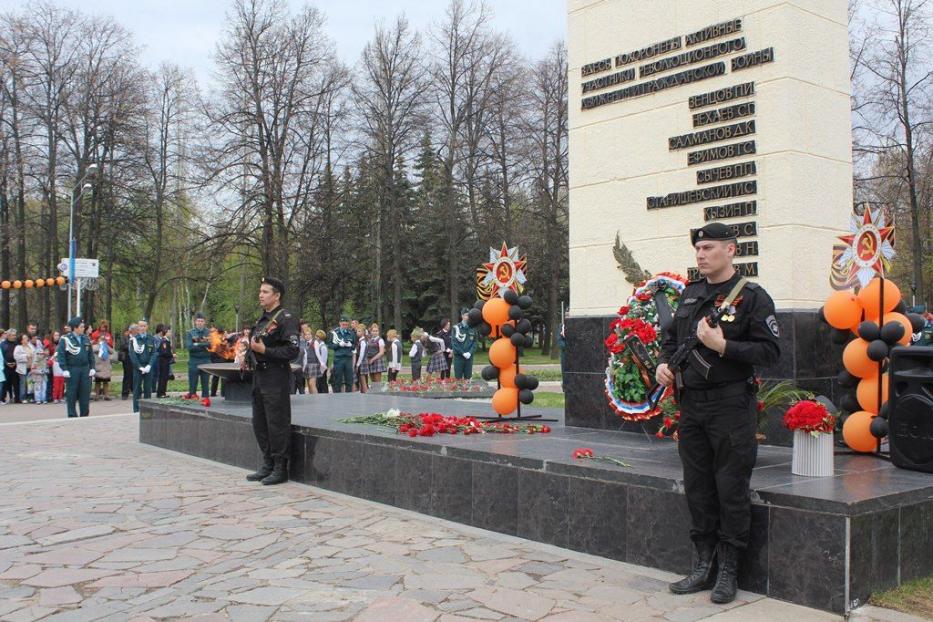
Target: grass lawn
{"points": [[548, 400], [914, 597]]}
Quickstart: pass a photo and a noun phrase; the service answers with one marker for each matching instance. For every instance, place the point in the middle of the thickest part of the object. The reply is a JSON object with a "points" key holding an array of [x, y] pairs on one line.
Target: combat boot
{"points": [[264, 471], [702, 577], [279, 473], [726, 579]]}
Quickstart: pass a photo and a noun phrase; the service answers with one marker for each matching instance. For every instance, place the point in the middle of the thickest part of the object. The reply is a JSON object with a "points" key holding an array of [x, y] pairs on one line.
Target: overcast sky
{"points": [[186, 31]]}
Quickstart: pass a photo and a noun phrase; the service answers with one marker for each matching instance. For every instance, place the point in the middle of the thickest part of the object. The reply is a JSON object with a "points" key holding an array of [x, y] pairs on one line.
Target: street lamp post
{"points": [[72, 244]]}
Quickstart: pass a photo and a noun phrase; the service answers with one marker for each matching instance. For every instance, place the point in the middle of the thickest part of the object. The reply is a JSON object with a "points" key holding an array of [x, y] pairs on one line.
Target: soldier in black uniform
{"points": [[716, 395], [272, 346]]}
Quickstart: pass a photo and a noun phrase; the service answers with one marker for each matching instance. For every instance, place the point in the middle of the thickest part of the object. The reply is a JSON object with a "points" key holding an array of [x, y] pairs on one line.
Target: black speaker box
{"points": [[911, 408]]}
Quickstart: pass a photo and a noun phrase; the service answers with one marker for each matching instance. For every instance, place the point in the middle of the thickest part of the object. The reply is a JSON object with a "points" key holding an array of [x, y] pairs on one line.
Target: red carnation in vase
{"points": [[809, 416]]}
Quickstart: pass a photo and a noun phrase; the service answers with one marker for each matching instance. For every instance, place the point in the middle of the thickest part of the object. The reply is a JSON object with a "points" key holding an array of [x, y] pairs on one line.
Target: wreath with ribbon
{"points": [[627, 381]]}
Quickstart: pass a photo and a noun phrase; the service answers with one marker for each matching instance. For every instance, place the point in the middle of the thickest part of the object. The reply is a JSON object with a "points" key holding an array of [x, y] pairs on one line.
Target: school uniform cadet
{"points": [[144, 353], [463, 343], [273, 345], [343, 341], [197, 342], [716, 395], [76, 358]]}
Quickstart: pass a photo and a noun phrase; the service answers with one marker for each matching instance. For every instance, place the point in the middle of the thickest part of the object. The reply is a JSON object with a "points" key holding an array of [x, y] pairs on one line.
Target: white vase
{"points": [[813, 454]]}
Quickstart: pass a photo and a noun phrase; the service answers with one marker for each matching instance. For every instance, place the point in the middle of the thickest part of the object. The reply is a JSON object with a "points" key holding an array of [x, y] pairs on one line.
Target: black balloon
{"points": [[490, 372], [507, 330], [479, 304], [901, 307], [877, 350], [532, 382], [885, 409], [868, 331], [525, 396], [849, 402], [510, 296], [517, 339], [840, 335], [878, 427], [822, 315], [916, 322], [892, 332], [524, 301], [847, 380], [515, 312], [523, 326], [474, 317], [521, 381], [484, 329]]}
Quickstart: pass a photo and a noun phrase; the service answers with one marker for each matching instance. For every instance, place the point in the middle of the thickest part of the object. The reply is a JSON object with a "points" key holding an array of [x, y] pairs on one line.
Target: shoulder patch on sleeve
{"points": [[293, 340], [772, 323], [752, 285]]}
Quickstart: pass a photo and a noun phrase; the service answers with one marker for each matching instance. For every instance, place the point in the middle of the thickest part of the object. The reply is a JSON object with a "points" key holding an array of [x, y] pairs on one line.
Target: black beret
{"points": [[75, 322], [199, 316], [276, 284], [712, 231]]}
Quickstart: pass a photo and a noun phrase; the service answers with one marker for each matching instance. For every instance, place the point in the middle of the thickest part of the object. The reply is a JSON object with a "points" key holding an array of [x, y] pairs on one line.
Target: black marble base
{"points": [[808, 357], [821, 542]]}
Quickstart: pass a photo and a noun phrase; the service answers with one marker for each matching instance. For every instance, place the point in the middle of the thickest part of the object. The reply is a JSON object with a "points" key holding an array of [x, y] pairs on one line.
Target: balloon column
{"points": [[503, 319], [875, 316]]}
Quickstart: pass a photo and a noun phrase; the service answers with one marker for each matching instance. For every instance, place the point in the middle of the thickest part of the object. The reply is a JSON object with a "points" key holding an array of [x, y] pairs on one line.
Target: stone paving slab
{"points": [[95, 526]]}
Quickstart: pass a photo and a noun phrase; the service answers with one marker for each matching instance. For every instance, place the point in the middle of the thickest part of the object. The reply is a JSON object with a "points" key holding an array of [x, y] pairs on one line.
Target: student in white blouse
{"points": [[395, 354]]}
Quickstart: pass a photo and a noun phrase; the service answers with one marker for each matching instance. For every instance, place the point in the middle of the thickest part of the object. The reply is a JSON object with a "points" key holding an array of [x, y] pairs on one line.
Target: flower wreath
{"points": [[626, 383]]}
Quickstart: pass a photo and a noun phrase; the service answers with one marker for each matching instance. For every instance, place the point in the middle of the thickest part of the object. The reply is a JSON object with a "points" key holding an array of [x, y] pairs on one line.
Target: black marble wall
{"points": [[808, 357], [798, 553]]}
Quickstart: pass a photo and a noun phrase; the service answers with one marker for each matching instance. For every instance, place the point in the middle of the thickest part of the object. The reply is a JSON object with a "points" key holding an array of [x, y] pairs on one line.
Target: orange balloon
{"points": [[40, 282], [842, 310], [867, 392], [899, 317], [60, 280], [28, 283], [507, 377], [857, 434], [870, 296], [5, 285], [505, 401], [856, 361], [17, 284], [496, 311], [502, 353]]}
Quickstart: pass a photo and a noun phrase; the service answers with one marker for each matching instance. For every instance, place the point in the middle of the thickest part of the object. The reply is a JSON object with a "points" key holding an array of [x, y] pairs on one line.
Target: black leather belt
{"points": [[265, 365], [719, 391]]}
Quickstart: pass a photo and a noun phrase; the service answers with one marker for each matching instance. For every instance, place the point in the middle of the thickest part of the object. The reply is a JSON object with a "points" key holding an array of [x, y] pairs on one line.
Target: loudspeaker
{"points": [[911, 408]]}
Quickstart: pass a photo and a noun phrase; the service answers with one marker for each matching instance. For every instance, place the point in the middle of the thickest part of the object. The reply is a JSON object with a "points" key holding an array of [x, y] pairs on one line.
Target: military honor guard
{"points": [[343, 342], [144, 355], [76, 359], [712, 366], [197, 342], [463, 342], [273, 344]]}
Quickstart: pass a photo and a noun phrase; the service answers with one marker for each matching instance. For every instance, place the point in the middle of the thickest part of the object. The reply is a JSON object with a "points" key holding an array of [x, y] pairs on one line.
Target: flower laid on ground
{"points": [[206, 401], [430, 424], [585, 453], [436, 385], [809, 416]]}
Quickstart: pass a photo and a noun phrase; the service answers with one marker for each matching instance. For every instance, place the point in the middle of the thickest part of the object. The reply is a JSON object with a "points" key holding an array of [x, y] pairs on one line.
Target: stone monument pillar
{"points": [[683, 113]]}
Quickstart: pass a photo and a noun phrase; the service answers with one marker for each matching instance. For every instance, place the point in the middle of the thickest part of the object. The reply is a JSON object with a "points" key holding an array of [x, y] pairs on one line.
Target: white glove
{"points": [[144, 370], [467, 355], [91, 373], [66, 374]]}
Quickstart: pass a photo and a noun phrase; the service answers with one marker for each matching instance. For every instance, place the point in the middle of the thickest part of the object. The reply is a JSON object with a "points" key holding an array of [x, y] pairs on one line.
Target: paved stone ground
{"points": [[94, 525]]}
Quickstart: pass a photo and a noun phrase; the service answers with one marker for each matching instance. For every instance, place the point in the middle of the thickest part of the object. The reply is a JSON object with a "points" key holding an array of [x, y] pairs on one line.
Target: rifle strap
{"points": [[733, 294]]}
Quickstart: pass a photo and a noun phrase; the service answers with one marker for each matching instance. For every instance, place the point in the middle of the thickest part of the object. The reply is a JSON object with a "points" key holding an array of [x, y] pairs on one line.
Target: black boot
{"points": [[725, 588], [263, 471], [702, 576], [279, 473]]}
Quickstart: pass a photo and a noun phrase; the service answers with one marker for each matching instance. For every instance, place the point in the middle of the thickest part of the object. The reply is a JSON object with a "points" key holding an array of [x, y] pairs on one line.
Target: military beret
{"points": [[464, 311], [276, 284], [75, 321], [712, 231], [199, 316], [344, 317]]}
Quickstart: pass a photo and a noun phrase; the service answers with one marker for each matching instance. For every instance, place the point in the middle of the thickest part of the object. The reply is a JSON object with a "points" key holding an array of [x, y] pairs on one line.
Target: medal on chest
{"points": [[729, 315]]}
